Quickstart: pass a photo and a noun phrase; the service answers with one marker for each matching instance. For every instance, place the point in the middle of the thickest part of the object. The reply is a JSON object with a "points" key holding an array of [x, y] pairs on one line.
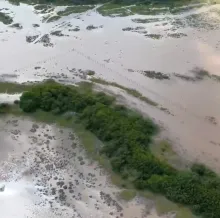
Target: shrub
{"points": [[202, 170], [29, 102], [16, 101]]}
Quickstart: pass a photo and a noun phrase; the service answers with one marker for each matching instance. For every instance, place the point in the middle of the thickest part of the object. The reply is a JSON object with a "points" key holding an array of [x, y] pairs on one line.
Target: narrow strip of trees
{"points": [[127, 137]]}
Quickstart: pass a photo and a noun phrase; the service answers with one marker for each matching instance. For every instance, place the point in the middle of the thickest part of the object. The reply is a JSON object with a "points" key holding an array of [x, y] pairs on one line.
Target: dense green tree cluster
{"points": [[202, 194], [58, 99], [127, 137]]}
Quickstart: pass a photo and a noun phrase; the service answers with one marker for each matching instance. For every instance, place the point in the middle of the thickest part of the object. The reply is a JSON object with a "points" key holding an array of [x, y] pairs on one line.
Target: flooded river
{"points": [[123, 50]]}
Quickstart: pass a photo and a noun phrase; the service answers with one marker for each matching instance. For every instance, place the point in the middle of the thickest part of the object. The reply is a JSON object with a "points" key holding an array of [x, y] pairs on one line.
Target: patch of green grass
{"points": [[127, 194], [13, 87], [164, 206], [109, 6], [152, 8], [41, 7], [75, 9], [103, 161], [91, 143], [163, 150], [131, 92], [110, 9], [11, 109], [49, 18], [165, 147], [176, 10], [117, 180], [148, 10], [69, 10], [5, 18], [85, 86]]}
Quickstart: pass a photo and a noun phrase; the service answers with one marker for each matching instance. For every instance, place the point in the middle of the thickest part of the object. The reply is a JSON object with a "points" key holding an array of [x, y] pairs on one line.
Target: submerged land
{"points": [[109, 109], [126, 150]]}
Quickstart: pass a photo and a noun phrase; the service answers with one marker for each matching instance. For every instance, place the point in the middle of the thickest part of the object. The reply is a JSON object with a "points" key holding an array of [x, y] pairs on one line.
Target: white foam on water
{"points": [[9, 98], [16, 201]]}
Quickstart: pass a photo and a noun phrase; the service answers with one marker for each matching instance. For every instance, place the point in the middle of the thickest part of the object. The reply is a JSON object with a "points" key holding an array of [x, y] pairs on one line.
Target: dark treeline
{"points": [[84, 2], [127, 137]]}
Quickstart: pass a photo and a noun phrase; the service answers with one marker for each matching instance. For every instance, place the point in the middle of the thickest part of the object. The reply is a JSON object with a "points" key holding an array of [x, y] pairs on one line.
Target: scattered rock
{"points": [[133, 29], [153, 36], [155, 75], [17, 26], [57, 33], [2, 187], [45, 40], [91, 27], [76, 29], [185, 77], [176, 35], [35, 25], [212, 120], [30, 39]]}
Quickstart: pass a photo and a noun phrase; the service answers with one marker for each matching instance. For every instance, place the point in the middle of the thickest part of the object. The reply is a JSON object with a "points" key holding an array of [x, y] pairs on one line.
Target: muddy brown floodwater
{"points": [[154, 54]]}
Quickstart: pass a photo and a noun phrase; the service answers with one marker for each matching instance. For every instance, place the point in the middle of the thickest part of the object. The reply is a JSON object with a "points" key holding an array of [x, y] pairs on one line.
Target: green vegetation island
{"points": [[126, 137]]}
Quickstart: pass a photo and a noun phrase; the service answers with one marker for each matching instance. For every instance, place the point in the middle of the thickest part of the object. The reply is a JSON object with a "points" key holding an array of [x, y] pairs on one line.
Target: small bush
{"points": [[127, 194], [202, 170], [4, 107], [90, 72], [16, 101]]}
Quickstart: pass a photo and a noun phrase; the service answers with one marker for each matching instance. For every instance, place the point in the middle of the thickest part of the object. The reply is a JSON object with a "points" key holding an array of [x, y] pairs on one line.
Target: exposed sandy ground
{"points": [[47, 174]]}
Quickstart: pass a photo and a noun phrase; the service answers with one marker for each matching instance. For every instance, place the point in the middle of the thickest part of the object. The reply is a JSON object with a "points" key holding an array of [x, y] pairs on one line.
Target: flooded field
{"points": [[169, 56]]}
